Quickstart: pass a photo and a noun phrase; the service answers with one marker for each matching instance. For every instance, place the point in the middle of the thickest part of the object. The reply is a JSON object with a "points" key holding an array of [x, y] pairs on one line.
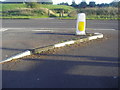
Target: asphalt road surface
{"points": [[20, 35], [88, 65], [55, 23]]}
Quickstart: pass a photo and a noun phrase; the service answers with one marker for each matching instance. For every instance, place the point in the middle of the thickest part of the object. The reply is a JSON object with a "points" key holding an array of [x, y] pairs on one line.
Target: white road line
{"points": [[43, 30], [61, 28], [3, 29], [56, 22], [18, 28], [46, 29], [104, 29]]}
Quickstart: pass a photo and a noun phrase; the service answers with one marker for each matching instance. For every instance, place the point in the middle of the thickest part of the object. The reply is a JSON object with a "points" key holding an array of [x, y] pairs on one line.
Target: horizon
{"points": [[87, 1], [77, 1]]}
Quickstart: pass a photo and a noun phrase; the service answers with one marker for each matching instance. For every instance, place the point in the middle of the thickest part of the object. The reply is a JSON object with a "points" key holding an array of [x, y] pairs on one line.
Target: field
{"points": [[101, 13], [59, 11], [6, 7], [21, 11]]}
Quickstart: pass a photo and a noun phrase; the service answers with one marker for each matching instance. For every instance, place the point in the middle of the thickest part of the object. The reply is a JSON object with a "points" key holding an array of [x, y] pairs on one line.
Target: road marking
{"points": [[52, 28], [43, 30], [59, 28], [104, 29], [56, 22], [3, 29]]}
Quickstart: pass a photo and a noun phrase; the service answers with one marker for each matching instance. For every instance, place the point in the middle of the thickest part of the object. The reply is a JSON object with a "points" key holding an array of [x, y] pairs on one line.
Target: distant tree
{"points": [[83, 4], [114, 4], [102, 5], [98, 5], [45, 1], [31, 4], [106, 5], [92, 4], [73, 4], [119, 4], [64, 3]]}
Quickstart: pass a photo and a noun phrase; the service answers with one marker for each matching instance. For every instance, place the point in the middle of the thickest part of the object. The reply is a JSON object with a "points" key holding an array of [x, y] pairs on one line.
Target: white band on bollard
{"points": [[81, 24]]}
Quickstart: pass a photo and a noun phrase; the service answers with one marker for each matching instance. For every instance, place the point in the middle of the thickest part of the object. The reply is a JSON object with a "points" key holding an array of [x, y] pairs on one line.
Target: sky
{"points": [[78, 1]]}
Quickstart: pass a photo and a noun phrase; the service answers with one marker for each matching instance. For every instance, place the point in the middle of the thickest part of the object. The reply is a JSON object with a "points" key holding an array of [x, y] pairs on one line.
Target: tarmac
{"points": [[92, 64], [83, 69]]}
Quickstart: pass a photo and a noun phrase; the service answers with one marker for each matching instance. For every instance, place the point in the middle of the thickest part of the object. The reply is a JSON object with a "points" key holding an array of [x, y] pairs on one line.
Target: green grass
{"points": [[6, 7], [100, 13], [23, 17], [93, 17], [16, 7], [57, 7], [10, 7], [0, 7]]}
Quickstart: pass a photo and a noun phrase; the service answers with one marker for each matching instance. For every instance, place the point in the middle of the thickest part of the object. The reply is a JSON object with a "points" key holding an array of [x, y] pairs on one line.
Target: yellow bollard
{"points": [[81, 24]]}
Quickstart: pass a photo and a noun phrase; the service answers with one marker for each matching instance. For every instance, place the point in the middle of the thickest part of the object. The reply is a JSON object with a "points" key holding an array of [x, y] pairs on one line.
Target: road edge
{"points": [[39, 50]]}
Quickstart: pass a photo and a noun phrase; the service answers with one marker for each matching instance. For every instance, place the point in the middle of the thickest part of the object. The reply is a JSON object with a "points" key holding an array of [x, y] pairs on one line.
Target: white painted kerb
{"points": [[63, 44], [26, 53], [95, 37]]}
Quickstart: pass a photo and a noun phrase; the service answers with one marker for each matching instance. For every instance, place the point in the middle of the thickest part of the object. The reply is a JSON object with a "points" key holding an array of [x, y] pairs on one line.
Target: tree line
{"points": [[83, 4]]}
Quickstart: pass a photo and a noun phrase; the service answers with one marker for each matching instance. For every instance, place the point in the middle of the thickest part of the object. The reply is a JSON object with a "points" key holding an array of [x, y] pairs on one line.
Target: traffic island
{"points": [[77, 39]]}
